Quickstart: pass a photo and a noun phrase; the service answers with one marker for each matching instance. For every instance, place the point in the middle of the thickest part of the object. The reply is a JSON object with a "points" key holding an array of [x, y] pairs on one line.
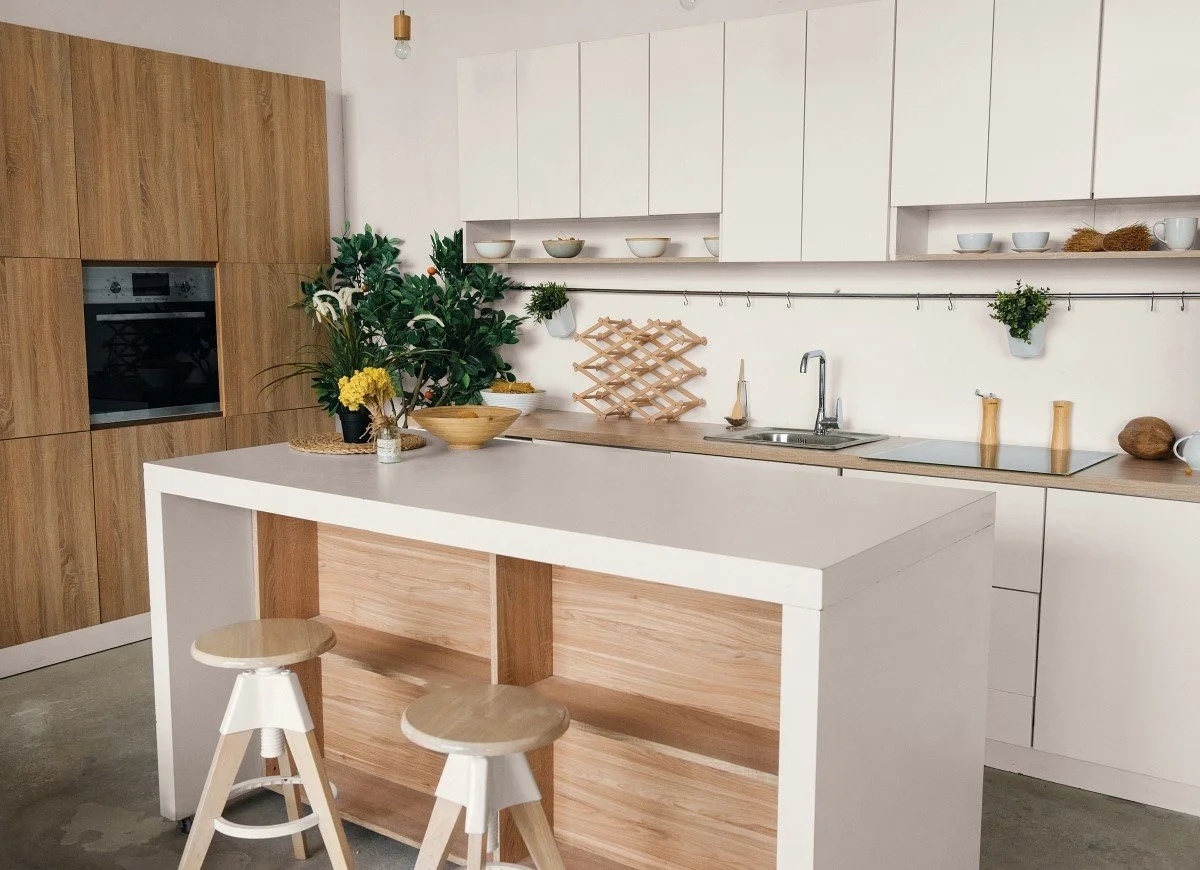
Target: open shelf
{"points": [[412, 661], [1055, 255], [671, 729], [591, 261]]}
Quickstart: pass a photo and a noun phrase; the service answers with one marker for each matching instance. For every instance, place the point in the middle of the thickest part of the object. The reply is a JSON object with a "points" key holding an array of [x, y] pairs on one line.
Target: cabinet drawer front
{"points": [[1012, 655]]}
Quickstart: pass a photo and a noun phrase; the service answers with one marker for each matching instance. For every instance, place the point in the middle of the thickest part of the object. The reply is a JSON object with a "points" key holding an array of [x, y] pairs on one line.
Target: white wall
{"points": [[900, 371], [296, 37]]}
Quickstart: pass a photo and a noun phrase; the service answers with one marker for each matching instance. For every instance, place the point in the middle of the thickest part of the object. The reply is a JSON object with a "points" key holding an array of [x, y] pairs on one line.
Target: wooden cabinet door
{"points": [[117, 457], [487, 137], [1148, 119], [47, 538], [943, 76], [43, 365], [1117, 680], [38, 215], [614, 134], [144, 153], [687, 82], [272, 167], [257, 328], [275, 427], [763, 189], [848, 132], [1043, 126], [548, 132]]}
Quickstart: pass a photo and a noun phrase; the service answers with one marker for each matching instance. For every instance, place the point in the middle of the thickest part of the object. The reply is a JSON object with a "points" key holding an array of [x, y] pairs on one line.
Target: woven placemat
{"points": [[331, 443]]}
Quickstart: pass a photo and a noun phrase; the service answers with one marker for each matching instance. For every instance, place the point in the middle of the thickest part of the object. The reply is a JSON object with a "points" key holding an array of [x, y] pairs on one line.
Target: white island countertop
{"points": [[747, 532]]}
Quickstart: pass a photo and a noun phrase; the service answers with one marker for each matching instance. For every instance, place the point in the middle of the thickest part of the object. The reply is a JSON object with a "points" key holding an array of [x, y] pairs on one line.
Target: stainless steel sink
{"points": [[805, 438]]}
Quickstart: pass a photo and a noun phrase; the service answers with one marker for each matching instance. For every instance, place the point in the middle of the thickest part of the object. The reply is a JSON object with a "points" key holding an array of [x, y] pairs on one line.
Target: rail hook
{"points": [[749, 304], [1152, 300], [918, 301], [789, 299], [1069, 301], [950, 301], [1183, 302], [720, 299], [685, 299]]}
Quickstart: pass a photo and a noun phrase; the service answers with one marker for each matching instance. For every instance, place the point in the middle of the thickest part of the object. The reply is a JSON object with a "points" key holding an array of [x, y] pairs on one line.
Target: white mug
{"points": [[1178, 234], [1187, 448]]}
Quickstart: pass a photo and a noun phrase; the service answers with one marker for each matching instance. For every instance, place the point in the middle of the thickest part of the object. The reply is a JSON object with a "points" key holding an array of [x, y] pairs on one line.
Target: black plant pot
{"points": [[355, 424]]}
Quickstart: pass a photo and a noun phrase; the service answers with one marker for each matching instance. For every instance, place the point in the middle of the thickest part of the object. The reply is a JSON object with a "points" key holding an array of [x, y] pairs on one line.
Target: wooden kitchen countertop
{"points": [[1121, 475]]}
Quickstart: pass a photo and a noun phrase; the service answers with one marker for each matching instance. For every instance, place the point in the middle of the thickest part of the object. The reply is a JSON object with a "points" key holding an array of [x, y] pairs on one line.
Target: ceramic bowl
{"points": [[975, 242], [647, 246], [466, 427], [713, 243], [1030, 241], [526, 403], [563, 249], [494, 250]]}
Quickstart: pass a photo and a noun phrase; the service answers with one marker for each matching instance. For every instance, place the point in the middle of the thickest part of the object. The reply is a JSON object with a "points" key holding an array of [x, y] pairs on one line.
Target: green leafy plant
{"points": [[546, 299], [1022, 309]]}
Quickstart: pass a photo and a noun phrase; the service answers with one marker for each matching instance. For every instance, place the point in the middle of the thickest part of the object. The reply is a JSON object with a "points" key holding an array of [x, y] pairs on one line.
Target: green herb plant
{"points": [[1022, 309], [546, 299]]}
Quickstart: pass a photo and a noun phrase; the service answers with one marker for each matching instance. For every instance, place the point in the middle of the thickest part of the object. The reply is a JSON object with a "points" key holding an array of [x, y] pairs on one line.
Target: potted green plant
{"points": [[1024, 311], [549, 304]]}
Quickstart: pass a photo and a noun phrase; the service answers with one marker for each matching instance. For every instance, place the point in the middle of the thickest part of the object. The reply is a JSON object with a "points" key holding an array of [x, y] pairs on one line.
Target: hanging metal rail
{"points": [[1182, 297]]}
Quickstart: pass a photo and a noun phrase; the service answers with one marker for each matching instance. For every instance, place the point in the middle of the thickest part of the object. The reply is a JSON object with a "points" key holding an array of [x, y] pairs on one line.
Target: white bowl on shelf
{"points": [[1030, 241], [496, 249], [563, 249], [974, 243], [713, 243], [526, 403], [648, 247]]}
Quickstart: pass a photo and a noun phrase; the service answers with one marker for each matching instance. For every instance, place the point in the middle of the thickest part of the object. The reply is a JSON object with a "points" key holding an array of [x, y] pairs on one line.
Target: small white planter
{"points": [[561, 324], [1032, 348]]}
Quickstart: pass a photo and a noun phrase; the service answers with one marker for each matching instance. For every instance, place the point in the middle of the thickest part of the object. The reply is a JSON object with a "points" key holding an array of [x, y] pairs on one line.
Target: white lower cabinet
{"points": [[1119, 656]]}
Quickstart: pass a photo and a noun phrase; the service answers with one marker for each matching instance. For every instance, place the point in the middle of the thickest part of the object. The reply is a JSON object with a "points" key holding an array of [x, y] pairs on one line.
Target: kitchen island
{"points": [[761, 671]]}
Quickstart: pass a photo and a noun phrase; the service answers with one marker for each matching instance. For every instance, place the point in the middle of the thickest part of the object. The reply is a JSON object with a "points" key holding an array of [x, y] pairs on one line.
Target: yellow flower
{"points": [[371, 387]]}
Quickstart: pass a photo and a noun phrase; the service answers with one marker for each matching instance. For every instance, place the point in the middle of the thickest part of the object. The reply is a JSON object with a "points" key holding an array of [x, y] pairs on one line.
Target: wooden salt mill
{"points": [[989, 432], [1060, 438]]}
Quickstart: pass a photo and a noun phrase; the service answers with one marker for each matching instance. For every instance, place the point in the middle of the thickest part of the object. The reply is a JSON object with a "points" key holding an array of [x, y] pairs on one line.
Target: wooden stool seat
{"points": [[263, 643], [485, 721]]}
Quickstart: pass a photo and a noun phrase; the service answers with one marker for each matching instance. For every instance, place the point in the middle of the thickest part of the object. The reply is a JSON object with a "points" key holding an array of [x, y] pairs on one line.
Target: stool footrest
{"points": [[266, 832]]}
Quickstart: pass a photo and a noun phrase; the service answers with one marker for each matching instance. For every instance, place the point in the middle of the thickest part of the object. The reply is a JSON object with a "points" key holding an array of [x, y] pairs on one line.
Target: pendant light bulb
{"points": [[402, 31], [688, 5]]}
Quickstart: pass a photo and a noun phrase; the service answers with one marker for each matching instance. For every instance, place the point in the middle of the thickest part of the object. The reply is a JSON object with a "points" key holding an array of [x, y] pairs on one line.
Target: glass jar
{"points": [[387, 443]]}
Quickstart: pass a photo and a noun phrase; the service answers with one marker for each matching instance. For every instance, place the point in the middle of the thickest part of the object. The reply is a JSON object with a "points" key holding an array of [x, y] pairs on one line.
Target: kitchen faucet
{"points": [[823, 424]]}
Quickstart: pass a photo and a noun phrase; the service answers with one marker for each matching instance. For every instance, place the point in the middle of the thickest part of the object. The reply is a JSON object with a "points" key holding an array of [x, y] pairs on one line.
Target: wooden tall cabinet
{"points": [[274, 427], [43, 366], [47, 538], [37, 155], [272, 168], [144, 153]]}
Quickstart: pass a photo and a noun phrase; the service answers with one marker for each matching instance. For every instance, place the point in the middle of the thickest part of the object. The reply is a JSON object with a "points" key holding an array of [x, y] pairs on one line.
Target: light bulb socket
{"points": [[402, 26]]}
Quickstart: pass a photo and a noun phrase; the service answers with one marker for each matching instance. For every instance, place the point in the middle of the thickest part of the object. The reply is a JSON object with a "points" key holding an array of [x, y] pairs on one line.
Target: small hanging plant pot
{"points": [[550, 304], [1023, 313]]}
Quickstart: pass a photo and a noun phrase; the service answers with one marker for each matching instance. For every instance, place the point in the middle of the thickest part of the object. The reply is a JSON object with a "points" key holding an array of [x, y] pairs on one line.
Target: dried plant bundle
{"points": [[1136, 237], [1084, 240]]}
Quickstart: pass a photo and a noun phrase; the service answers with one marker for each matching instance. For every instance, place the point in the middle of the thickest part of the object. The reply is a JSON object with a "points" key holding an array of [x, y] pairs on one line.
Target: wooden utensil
{"points": [[739, 409]]}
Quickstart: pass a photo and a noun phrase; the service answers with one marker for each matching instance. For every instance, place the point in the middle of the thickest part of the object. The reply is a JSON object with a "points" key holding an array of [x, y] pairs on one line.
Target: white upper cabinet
{"points": [[943, 78], [487, 137], [687, 82], [848, 132], [1044, 67], [1148, 123], [548, 132], [614, 103], [764, 139]]}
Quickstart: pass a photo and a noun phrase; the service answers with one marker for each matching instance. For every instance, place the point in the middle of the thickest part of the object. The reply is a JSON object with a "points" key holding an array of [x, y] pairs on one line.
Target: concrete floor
{"points": [[80, 791]]}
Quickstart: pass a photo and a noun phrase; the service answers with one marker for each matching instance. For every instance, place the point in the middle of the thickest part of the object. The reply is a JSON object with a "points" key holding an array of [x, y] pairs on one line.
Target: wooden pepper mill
{"points": [[1060, 437], [989, 431]]}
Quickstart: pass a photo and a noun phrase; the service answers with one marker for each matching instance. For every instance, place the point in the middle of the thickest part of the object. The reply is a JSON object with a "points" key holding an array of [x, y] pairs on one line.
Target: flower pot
{"points": [[1032, 348], [355, 424], [561, 324]]}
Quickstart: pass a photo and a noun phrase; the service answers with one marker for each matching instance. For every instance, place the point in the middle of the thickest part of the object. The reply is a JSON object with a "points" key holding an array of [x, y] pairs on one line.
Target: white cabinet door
{"points": [[735, 466], [848, 132], [614, 117], [687, 83], [1020, 517], [1012, 654], [1044, 67], [943, 76], [548, 132], [761, 219], [487, 137], [1118, 679], [1148, 123]]}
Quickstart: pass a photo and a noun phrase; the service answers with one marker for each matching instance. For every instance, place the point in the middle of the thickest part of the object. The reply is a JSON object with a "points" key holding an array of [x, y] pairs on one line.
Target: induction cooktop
{"points": [[1005, 457]]}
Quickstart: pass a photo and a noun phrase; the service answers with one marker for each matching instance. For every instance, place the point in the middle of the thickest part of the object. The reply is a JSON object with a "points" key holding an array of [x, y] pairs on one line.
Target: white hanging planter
{"points": [[561, 324], [1032, 348]]}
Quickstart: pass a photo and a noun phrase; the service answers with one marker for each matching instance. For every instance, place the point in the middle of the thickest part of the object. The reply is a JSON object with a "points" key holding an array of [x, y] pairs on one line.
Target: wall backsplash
{"points": [[899, 370]]}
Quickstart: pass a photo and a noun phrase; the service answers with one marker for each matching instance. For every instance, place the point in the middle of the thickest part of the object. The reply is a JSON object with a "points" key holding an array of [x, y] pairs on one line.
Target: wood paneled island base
{"points": [[813, 702]]}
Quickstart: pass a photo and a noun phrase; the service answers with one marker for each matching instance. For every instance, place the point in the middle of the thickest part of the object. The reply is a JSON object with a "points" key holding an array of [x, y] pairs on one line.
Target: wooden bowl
{"points": [[466, 427]]}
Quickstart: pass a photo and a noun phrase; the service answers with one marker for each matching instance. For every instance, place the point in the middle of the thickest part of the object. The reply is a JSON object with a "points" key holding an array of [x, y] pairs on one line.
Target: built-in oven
{"points": [[151, 336]]}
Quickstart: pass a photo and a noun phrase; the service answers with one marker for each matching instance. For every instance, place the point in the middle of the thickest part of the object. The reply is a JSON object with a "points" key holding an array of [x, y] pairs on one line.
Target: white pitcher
{"points": [[1190, 452]]}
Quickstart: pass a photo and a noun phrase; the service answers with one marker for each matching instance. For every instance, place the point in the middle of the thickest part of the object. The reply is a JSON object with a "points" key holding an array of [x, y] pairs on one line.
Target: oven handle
{"points": [[152, 315]]}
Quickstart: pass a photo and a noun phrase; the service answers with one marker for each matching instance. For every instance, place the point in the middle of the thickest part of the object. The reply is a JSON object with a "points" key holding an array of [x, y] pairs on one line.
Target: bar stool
{"points": [[267, 698], [485, 731]]}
